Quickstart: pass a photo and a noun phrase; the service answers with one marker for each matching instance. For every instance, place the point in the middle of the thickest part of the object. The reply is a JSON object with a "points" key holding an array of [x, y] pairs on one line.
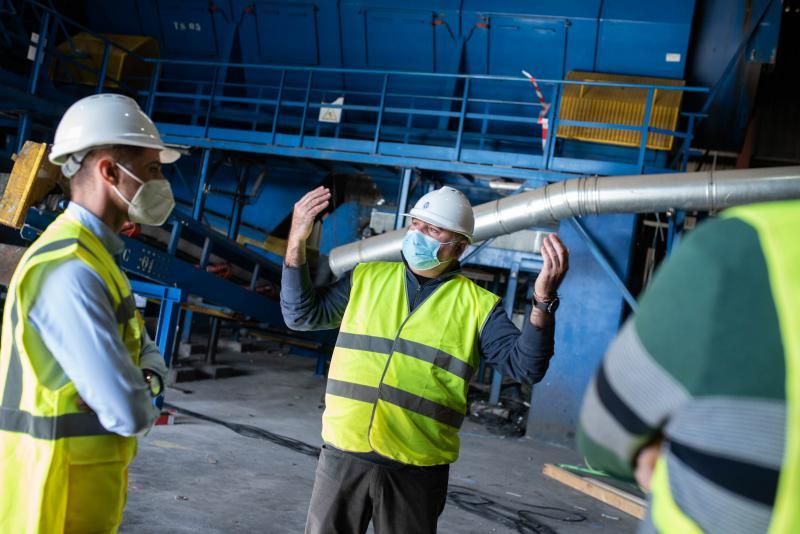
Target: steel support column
{"points": [[24, 129], [171, 299], [402, 202], [200, 194]]}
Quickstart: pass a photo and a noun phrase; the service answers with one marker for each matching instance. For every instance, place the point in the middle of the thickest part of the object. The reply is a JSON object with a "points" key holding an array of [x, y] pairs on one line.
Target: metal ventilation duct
{"points": [[702, 191]]}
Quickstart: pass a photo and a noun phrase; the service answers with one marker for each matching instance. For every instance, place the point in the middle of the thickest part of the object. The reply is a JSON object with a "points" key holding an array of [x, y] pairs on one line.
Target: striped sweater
{"points": [[701, 364]]}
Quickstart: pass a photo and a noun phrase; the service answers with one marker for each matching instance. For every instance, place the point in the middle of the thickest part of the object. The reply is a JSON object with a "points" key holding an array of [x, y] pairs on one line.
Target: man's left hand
{"points": [[555, 256], [646, 463]]}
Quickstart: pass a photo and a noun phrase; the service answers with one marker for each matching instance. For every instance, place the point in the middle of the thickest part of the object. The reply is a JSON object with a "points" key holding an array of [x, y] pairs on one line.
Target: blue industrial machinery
{"points": [[271, 98]]}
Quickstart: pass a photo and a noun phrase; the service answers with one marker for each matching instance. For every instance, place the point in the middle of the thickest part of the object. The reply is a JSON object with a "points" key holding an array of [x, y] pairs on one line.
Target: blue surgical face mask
{"points": [[422, 251]]}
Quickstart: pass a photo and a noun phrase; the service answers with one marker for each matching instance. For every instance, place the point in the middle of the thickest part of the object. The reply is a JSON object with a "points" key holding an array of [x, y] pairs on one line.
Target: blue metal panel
{"points": [[411, 35], [535, 44], [189, 29], [581, 42], [587, 9], [604, 262], [721, 25], [342, 226], [265, 254], [763, 46], [280, 189], [587, 320], [116, 17], [643, 38], [286, 32], [195, 29], [417, 51], [566, 30]]}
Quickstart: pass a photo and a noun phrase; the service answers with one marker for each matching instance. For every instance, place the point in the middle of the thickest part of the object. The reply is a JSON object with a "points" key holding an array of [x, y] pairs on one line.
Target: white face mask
{"points": [[151, 204]]}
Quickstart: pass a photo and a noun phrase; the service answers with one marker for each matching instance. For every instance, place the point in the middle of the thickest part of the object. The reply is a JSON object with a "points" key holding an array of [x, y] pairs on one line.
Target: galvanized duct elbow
{"points": [[702, 191]]}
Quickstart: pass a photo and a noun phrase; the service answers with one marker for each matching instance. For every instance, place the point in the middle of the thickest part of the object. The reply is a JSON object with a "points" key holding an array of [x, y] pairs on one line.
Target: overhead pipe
{"points": [[692, 191]]}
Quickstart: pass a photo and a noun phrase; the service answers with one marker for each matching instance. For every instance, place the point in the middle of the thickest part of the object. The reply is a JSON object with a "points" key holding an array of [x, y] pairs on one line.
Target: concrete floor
{"points": [[199, 477]]}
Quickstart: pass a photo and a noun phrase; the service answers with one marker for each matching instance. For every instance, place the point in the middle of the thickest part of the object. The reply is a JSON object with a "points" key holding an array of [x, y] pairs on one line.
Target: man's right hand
{"points": [[82, 406], [305, 211]]}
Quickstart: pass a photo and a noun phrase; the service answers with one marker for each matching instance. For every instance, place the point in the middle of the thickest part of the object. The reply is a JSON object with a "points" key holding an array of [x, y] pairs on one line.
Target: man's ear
{"points": [[462, 246], [107, 169]]}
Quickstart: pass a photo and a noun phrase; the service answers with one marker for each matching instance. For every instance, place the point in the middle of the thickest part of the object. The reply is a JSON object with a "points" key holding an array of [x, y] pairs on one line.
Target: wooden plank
{"points": [[32, 177], [302, 343], [214, 312], [621, 500]]}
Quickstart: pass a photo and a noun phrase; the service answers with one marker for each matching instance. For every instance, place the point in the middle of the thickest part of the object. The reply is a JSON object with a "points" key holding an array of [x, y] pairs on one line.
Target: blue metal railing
{"points": [[434, 120], [286, 115]]}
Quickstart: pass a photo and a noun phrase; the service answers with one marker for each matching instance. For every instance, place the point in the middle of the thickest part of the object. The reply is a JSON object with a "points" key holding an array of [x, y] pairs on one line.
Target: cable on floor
{"points": [[251, 431], [524, 520]]}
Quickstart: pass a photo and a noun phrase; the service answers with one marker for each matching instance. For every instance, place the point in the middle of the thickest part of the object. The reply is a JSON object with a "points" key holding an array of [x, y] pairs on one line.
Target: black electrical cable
{"points": [[523, 520], [250, 431]]}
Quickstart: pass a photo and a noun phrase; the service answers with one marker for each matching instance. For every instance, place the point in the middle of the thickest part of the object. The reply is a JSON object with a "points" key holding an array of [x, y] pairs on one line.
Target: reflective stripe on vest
{"points": [[68, 425], [397, 383], [777, 225], [68, 473]]}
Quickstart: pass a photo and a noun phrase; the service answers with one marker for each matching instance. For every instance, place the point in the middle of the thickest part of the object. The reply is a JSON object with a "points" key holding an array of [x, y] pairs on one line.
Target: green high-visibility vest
{"points": [[60, 470], [778, 228], [398, 382]]}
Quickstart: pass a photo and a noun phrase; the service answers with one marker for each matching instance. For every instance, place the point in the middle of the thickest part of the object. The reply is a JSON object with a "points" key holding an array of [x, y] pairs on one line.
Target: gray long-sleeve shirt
{"points": [[523, 356]]}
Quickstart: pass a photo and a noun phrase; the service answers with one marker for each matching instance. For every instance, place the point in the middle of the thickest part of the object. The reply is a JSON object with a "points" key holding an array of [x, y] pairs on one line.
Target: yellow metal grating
{"points": [[273, 244], [32, 177], [84, 59], [619, 105]]}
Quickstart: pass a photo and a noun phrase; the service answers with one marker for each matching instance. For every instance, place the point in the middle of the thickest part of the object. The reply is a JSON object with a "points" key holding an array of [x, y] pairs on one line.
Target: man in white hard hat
{"points": [[411, 335], [78, 372]]}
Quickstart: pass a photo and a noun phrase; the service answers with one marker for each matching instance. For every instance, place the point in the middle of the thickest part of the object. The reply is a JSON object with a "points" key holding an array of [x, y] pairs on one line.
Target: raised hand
{"points": [[305, 211], [556, 264]]}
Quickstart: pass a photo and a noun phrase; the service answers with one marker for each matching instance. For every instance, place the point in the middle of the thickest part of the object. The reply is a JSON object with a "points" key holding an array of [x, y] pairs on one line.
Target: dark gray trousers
{"points": [[349, 491]]}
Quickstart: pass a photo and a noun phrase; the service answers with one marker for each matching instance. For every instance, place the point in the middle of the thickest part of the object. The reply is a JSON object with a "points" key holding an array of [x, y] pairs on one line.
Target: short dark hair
{"points": [[123, 153]]}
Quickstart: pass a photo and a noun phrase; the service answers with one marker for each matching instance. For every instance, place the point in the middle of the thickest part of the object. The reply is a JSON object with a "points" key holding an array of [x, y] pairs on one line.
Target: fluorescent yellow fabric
{"points": [[667, 516], [398, 382], [61, 471], [778, 227]]}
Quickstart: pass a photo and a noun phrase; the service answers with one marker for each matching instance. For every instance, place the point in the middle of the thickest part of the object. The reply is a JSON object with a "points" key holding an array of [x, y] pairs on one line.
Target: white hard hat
{"points": [[104, 120], [446, 208]]}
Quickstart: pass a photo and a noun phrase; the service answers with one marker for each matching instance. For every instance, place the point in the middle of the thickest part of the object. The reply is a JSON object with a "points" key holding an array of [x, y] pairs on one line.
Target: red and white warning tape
{"points": [[545, 107]]}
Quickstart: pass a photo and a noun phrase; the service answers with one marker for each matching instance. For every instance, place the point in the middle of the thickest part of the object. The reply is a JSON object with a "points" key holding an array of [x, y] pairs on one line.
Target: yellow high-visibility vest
{"points": [[60, 470], [398, 382], [778, 226]]}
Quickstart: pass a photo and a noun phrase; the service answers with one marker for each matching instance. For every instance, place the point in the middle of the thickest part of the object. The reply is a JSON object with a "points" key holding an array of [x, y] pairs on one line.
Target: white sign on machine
{"points": [[333, 115]]}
